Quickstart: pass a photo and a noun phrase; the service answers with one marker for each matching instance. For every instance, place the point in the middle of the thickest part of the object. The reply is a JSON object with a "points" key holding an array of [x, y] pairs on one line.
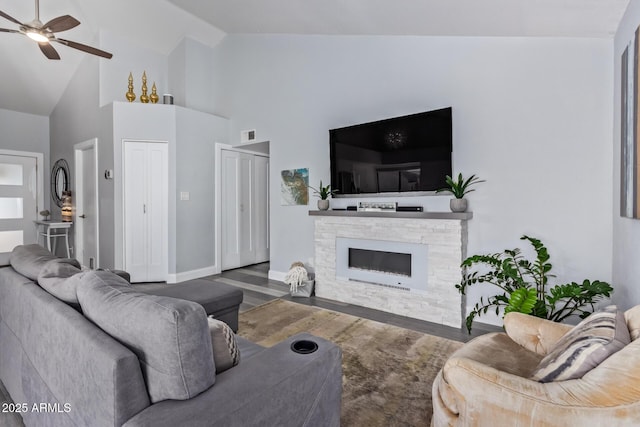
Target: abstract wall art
{"points": [[294, 187]]}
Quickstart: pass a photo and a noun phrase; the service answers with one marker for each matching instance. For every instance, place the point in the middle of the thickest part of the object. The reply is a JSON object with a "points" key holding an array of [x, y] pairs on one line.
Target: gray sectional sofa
{"points": [[121, 357]]}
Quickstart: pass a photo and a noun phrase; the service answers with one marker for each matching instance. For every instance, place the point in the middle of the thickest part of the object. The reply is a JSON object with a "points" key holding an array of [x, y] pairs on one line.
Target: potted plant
{"points": [[524, 286], [459, 189], [323, 192]]}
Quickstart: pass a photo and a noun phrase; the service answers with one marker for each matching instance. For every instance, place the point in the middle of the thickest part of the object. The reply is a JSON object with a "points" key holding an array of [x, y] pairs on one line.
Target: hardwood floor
{"points": [[258, 289]]}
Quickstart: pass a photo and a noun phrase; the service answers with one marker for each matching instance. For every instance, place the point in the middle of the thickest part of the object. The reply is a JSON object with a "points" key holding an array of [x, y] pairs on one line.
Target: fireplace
{"points": [[425, 290], [399, 265]]}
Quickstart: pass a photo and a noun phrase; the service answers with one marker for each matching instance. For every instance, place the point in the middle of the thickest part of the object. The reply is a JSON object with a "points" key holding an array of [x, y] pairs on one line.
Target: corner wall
{"points": [[532, 116]]}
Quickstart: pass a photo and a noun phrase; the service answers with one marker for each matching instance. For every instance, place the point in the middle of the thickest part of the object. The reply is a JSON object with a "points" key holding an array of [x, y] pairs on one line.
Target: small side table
{"points": [[48, 226]]}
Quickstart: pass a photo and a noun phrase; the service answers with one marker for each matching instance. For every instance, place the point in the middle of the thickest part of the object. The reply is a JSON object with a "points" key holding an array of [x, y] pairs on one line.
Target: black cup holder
{"points": [[304, 346]]}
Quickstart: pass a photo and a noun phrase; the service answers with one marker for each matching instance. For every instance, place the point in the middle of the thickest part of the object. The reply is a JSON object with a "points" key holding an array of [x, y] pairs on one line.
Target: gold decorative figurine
{"points": [[144, 98], [154, 94], [130, 95]]}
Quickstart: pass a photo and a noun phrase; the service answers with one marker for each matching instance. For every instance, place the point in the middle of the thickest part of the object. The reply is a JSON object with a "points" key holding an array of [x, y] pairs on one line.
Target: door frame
{"points": [[39, 174], [39, 157], [79, 226], [217, 188]]}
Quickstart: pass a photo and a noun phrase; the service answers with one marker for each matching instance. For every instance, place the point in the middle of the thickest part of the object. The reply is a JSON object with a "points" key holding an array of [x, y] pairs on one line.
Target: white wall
{"points": [[531, 116], [78, 116], [27, 132], [129, 58], [196, 135], [190, 76], [626, 231]]}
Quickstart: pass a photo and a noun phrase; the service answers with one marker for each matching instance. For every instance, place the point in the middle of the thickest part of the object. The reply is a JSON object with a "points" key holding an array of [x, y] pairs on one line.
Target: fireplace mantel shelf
{"points": [[413, 215]]}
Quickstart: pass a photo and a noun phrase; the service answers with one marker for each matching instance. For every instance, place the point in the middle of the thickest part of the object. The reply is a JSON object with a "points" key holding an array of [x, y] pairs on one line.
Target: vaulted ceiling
{"points": [[31, 83]]}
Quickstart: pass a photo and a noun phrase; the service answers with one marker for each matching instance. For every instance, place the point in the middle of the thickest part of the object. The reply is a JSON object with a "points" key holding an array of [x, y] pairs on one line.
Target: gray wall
{"points": [[27, 132], [196, 135], [75, 119], [532, 116]]}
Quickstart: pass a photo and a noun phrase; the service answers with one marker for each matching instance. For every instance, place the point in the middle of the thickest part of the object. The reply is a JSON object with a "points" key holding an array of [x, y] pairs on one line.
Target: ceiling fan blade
{"points": [[84, 48], [10, 18], [61, 23], [6, 30], [48, 51]]}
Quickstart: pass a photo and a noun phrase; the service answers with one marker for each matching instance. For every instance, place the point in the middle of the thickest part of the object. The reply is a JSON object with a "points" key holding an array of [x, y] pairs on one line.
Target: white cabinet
{"points": [[244, 208], [145, 188]]}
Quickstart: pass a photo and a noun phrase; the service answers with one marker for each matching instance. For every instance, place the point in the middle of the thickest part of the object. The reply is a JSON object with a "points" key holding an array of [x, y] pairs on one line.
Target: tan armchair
{"points": [[486, 382]]}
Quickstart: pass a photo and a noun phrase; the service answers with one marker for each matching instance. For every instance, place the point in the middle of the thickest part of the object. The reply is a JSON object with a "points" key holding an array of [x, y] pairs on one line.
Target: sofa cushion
{"points": [[169, 336], [28, 260], [223, 342], [585, 346], [60, 277]]}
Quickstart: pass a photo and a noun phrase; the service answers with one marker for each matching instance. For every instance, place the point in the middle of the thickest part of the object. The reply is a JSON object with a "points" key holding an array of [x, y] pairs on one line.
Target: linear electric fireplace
{"points": [[394, 264]]}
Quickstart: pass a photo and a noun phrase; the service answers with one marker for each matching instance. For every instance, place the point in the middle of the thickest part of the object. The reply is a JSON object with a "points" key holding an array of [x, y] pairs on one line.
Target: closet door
{"points": [[261, 209], [244, 208], [237, 205], [145, 210]]}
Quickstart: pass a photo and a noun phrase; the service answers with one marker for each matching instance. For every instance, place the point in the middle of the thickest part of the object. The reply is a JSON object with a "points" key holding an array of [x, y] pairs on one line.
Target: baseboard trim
{"points": [[193, 274], [277, 275]]}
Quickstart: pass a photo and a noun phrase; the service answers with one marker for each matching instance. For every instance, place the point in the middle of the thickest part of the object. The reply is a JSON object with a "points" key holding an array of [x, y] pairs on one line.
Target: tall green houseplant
{"points": [[524, 286]]}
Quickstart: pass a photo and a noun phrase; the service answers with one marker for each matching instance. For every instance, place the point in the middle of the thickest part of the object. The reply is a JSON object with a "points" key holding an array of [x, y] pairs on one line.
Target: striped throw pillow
{"points": [[585, 346], [225, 348]]}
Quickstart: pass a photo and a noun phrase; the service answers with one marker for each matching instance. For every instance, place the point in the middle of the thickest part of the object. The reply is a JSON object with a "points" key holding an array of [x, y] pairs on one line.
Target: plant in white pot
{"points": [[323, 192], [459, 189]]}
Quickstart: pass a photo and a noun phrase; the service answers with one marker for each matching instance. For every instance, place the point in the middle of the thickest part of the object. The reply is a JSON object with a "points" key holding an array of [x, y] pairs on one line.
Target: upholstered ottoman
{"points": [[218, 299]]}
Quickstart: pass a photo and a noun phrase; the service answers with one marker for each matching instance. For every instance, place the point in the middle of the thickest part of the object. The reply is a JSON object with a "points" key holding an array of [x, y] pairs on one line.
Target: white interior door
{"points": [[230, 188], [18, 203], [86, 221], [261, 207], [244, 189], [146, 184], [246, 209]]}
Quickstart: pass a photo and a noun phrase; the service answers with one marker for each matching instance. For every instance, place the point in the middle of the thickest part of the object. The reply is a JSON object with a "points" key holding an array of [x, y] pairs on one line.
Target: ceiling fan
{"points": [[44, 34]]}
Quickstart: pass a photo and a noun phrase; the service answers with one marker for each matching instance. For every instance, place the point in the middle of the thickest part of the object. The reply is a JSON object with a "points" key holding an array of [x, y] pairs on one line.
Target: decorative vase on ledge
{"points": [[458, 205], [323, 204]]}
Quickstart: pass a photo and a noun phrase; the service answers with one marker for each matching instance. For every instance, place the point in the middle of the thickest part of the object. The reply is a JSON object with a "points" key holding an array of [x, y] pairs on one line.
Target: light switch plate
{"points": [[184, 195]]}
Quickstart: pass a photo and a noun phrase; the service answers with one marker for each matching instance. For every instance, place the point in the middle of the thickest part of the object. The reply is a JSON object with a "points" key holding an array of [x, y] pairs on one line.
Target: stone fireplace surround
{"points": [[446, 236]]}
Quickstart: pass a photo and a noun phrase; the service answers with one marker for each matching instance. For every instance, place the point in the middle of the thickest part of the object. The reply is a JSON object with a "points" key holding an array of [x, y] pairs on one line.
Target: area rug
{"points": [[387, 371]]}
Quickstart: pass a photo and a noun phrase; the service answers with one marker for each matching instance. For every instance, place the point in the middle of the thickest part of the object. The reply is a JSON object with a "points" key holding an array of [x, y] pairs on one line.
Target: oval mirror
{"points": [[59, 181]]}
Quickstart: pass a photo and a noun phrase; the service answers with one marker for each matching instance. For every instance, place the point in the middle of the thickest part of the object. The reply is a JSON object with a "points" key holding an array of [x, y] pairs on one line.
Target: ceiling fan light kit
{"points": [[44, 34]]}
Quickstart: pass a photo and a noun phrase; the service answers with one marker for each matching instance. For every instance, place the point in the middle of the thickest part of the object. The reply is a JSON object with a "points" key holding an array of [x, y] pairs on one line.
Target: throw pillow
{"points": [[585, 346], [28, 260], [60, 277], [169, 335], [223, 342]]}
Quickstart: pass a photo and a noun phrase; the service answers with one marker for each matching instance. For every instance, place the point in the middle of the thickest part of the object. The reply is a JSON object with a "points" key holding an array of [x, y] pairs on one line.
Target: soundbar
{"points": [[409, 209]]}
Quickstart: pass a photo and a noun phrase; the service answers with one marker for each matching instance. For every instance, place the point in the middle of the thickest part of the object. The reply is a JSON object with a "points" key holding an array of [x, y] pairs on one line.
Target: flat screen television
{"points": [[408, 154]]}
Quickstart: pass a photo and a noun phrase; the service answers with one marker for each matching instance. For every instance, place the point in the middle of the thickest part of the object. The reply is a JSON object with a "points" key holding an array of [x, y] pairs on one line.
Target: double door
{"points": [[244, 208], [146, 183]]}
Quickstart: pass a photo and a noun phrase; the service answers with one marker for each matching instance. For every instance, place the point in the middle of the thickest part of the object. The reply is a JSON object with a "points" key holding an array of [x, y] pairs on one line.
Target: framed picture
{"points": [[294, 187], [629, 131]]}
